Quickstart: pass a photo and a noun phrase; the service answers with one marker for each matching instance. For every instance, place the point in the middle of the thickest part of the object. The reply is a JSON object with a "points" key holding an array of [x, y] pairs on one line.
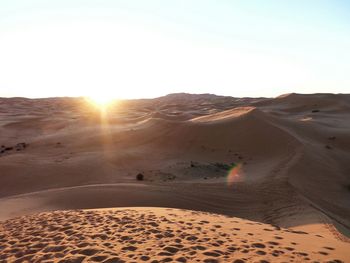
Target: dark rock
{"points": [[313, 111], [139, 177], [328, 147]]}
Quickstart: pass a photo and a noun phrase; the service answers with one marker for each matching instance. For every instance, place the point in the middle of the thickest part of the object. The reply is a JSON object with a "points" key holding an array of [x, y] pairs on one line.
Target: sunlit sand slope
{"points": [[157, 235]]}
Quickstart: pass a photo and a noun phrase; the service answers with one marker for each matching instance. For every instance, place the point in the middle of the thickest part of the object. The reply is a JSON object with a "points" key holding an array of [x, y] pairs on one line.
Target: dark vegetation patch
{"points": [[223, 166], [18, 147]]}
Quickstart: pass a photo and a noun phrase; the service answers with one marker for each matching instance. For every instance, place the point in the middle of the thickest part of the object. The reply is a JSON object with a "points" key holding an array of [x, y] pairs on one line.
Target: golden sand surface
{"points": [[157, 235]]}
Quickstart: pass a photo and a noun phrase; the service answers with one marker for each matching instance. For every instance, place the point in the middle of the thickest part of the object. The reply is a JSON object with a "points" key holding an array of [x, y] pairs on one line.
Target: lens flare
{"points": [[234, 174]]}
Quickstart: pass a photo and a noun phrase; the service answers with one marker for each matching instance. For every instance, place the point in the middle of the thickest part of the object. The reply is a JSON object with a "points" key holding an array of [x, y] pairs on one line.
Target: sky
{"points": [[143, 49]]}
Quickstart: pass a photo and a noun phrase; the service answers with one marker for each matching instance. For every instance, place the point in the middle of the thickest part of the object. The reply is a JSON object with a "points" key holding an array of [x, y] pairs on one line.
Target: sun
{"points": [[101, 101]]}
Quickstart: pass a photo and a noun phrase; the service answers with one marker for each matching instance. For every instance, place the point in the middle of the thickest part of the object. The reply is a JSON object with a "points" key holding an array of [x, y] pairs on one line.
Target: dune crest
{"points": [[228, 114]]}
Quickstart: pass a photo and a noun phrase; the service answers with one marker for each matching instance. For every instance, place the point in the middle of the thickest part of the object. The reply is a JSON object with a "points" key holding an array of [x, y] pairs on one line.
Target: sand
{"points": [[157, 235], [281, 161]]}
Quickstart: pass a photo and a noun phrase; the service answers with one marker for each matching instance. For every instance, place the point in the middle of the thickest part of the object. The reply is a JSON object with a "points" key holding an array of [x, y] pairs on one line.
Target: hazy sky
{"points": [[131, 49]]}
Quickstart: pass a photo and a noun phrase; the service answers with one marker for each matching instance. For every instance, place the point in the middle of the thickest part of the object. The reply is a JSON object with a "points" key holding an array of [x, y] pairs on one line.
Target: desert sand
{"points": [[157, 235], [251, 164]]}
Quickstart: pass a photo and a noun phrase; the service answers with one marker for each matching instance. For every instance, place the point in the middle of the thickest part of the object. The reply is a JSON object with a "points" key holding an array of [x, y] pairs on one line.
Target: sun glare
{"points": [[101, 102]]}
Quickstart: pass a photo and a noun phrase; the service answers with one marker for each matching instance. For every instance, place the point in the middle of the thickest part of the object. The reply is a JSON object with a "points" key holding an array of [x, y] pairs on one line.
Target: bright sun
{"points": [[100, 101]]}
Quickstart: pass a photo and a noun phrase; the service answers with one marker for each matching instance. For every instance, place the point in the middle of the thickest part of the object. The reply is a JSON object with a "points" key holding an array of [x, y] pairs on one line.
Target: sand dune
{"points": [[292, 152], [157, 235]]}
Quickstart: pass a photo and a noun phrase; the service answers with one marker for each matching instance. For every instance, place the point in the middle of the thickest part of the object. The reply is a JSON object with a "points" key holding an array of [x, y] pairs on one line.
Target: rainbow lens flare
{"points": [[234, 174]]}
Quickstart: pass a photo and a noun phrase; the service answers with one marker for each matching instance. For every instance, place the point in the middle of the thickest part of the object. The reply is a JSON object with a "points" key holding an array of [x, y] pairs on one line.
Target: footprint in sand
{"points": [[142, 235]]}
